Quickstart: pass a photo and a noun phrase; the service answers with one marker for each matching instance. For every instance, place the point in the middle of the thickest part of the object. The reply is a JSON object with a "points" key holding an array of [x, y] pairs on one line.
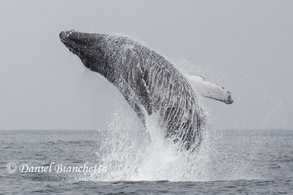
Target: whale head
{"points": [[88, 47]]}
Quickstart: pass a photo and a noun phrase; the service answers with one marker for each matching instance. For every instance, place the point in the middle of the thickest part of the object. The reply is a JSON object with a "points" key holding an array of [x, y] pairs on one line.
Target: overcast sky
{"points": [[246, 46]]}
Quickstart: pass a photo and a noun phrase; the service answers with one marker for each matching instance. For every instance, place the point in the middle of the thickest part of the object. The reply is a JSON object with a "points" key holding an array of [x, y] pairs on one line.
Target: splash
{"points": [[134, 153]]}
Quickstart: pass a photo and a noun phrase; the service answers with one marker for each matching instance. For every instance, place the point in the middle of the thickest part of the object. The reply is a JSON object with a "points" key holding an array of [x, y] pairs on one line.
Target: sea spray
{"points": [[132, 152], [122, 145], [159, 155], [135, 153]]}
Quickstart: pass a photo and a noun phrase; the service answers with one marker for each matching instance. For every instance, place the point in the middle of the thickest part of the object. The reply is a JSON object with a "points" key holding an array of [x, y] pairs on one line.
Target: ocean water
{"points": [[229, 162]]}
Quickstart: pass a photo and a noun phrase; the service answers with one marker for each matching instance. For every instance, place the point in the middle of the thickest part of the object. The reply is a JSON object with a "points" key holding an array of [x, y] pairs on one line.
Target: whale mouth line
{"points": [[74, 48]]}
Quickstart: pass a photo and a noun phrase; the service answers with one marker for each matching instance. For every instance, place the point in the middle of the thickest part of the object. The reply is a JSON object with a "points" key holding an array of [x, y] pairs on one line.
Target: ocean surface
{"points": [[229, 162]]}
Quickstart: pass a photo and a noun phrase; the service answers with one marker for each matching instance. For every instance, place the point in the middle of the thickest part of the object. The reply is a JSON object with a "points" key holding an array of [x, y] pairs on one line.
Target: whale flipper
{"points": [[209, 90]]}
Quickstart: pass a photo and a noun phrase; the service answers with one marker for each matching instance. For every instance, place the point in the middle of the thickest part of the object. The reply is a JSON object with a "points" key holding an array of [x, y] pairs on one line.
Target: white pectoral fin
{"points": [[209, 90]]}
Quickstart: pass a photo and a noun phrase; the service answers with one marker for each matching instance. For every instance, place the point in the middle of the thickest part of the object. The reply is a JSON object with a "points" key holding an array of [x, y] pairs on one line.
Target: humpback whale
{"points": [[149, 83]]}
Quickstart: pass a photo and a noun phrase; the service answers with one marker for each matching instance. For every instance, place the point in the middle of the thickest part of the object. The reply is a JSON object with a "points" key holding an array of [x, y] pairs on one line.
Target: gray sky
{"points": [[246, 46]]}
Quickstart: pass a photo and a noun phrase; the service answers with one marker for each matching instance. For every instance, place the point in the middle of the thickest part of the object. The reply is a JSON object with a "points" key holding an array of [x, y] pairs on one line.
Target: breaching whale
{"points": [[149, 83]]}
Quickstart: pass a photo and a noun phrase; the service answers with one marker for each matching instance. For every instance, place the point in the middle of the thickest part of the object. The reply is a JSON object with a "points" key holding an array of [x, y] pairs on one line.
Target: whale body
{"points": [[149, 83]]}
